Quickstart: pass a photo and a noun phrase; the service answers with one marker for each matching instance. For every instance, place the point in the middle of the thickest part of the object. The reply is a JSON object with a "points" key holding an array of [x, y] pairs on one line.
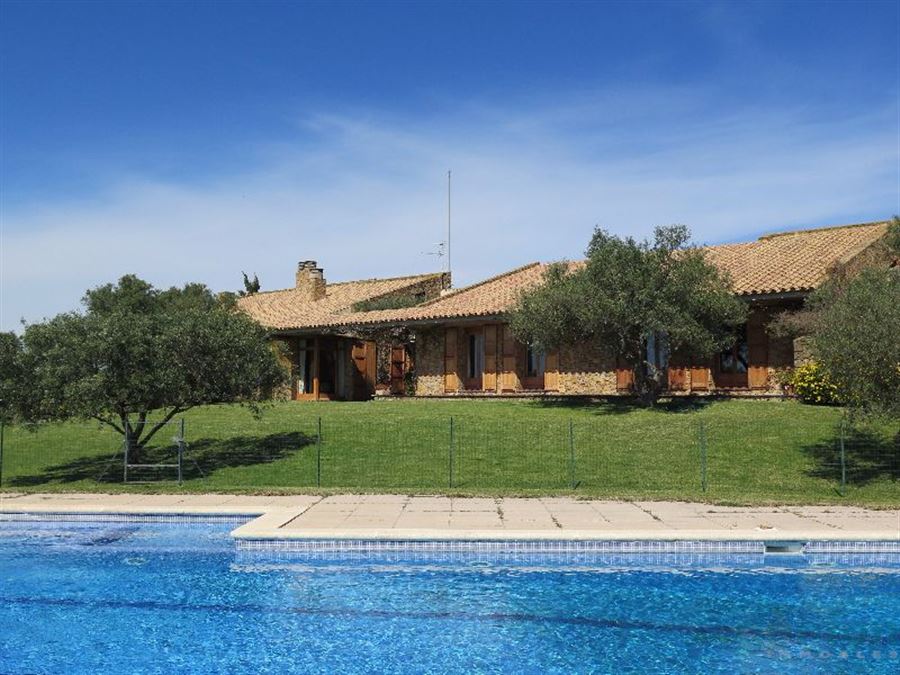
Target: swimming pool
{"points": [[146, 597]]}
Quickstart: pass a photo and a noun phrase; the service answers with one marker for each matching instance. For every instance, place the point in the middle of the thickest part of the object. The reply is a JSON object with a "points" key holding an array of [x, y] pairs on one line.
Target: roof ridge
{"points": [[458, 291], [825, 228], [374, 279], [352, 281]]}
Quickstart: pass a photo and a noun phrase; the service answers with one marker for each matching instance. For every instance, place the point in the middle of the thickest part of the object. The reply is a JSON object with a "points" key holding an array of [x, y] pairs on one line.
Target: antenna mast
{"points": [[449, 259]]}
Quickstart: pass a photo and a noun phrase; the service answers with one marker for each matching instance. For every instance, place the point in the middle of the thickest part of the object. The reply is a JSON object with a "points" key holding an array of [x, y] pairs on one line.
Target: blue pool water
{"points": [[163, 598]]}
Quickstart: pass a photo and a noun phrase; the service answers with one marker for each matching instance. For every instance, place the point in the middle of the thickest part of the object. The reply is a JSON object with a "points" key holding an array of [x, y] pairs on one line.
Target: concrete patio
{"points": [[434, 517]]}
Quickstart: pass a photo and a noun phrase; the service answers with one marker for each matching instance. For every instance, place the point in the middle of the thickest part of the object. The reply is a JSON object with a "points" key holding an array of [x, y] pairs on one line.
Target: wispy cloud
{"points": [[365, 194]]}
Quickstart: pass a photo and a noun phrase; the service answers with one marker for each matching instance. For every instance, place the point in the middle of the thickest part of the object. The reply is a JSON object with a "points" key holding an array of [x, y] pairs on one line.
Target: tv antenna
{"points": [[442, 248], [448, 226], [439, 250]]}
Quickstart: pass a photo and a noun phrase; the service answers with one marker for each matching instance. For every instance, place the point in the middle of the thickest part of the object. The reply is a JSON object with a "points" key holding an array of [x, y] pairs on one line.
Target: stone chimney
{"points": [[310, 280]]}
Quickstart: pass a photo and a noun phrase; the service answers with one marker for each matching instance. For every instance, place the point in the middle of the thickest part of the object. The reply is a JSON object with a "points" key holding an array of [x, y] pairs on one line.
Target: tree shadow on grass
{"points": [[623, 405], [202, 457], [212, 454], [869, 457]]}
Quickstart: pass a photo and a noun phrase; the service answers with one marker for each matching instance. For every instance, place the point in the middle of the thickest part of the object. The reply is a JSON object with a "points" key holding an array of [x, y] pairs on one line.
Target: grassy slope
{"points": [[757, 451]]}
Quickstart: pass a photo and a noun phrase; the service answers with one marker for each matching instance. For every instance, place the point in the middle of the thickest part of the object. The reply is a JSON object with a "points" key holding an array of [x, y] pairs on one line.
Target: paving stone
{"points": [[473, 504], [426, 504], [548, 516]]}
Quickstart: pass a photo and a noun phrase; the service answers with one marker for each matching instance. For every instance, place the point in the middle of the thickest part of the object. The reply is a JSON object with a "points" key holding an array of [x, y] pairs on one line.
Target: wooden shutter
{"points": [[509, 378], [551, 371], [677, 378], [398, 362], [451, 378], [757, 352], [699, 377], [624, 377], [677, 373], [489, 377]]}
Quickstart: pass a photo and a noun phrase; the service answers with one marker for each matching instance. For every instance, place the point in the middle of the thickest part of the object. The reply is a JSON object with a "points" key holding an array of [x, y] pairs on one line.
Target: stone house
{"points": [[326, 359], [349, 341]]}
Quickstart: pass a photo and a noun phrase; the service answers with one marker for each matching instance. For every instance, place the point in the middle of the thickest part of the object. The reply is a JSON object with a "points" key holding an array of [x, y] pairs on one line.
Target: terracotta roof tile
{"points": [[776, 263], [287, 308], [791, 261]]}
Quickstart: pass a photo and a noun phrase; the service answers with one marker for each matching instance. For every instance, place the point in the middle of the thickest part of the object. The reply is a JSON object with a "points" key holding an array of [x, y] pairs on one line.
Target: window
{"points": [[475, 361], [535, 361], [304, 367], [658, 350], [734, 359]]}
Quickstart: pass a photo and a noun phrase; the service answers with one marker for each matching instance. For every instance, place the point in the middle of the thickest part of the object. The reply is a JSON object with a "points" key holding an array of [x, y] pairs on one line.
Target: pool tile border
{"points": [[553, 546], [509, 544], [175, 518]]}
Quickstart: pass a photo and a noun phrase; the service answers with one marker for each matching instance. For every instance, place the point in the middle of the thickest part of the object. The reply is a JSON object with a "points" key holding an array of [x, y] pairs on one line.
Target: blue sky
{"points": [[190, 141]]}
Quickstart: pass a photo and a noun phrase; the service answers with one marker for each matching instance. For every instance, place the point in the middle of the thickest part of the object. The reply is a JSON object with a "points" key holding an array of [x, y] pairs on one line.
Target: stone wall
{"points": [[585, 370], [430, 362], [426, 289]]}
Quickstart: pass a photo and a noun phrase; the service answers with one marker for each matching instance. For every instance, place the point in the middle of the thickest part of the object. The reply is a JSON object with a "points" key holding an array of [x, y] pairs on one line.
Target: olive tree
{"points": [[12, 376], [630, 297], [857, 339], [137, 356]]}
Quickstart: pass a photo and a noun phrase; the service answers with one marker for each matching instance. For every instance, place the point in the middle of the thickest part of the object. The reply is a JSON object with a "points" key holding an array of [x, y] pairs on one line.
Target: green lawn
{"points": [[753, 452]]}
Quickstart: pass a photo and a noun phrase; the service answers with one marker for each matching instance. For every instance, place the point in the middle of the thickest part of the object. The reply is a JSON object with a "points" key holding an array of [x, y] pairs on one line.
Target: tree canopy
{"points": [[136, 352], [857, 339], [635, 300], [853, 320], [11, 374], [251, 286]]}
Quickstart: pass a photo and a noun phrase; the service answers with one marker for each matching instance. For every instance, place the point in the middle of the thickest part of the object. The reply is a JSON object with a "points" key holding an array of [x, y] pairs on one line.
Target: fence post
{"points": [[181, 451], [318, 452], [572, 455], [452, 439], [125, 466], [843, 457], [701, 432]]}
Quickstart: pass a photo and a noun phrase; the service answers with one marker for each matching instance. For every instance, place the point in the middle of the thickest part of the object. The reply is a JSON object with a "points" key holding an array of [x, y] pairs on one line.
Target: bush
{"points": [[811, 384]]}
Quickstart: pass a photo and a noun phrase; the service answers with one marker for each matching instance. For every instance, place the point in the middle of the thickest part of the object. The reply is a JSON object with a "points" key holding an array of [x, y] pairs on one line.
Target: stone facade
{"points": [[426, 289], [430, 362], [585, 370]]}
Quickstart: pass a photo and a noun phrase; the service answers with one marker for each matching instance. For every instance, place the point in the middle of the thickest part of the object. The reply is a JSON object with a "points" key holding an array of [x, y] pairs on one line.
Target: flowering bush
{"points": [[811, 384]]}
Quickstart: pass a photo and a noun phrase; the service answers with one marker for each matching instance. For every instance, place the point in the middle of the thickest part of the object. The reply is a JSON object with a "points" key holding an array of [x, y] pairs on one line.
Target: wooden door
{"points": [[363, 355], [732, 364], [451, 362], [757, 352]]}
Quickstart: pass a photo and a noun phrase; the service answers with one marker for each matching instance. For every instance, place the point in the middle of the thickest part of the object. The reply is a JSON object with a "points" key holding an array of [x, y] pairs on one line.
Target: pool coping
{"points": [[257, 536], [267, 525], [308, 518]]}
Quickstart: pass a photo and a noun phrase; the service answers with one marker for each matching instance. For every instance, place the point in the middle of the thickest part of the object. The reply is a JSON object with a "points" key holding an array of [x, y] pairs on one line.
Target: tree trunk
{"points": [[134, 449], [649, 380]]}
